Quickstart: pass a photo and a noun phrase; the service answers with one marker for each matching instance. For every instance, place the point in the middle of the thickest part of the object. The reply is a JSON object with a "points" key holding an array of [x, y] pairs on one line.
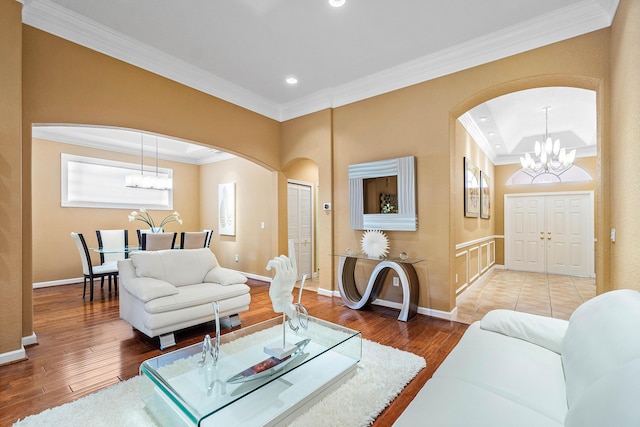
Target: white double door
{"points": [[552, 233], [300, 220]]}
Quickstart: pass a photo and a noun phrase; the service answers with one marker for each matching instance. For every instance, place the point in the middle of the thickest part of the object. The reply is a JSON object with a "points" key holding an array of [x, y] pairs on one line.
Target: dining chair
{"points": [[141, 232], [193, 239], [111, 241], [207, 243], [157, 241], [90, 271]]}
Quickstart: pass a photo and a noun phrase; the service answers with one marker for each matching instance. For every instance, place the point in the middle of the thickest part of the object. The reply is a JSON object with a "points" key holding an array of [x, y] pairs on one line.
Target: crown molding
{"points": [[580, 18], [478, 136]]}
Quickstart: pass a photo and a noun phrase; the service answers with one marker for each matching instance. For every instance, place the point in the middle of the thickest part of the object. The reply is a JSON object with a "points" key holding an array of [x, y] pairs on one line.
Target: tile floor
{"points": [[537, 293]]}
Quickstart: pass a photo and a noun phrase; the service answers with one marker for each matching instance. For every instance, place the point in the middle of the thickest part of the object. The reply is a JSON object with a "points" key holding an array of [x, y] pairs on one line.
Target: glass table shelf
{"points": [[178, 391]]}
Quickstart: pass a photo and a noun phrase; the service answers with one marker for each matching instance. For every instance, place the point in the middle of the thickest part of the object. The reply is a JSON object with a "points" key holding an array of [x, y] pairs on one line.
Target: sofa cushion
{"points": [[224, 276], [194, 295], [600, 338], [449, 402], [178, 267], [611, 401], [544, 331], [148, 288], [524, 373]]}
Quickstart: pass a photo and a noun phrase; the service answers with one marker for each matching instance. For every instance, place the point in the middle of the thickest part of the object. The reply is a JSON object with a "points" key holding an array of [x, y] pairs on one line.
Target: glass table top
{"points": [[197, 391]]}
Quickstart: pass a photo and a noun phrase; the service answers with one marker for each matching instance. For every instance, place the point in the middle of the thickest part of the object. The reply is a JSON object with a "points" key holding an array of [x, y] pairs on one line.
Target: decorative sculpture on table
{"points": [[211, 378], [281, 296]]}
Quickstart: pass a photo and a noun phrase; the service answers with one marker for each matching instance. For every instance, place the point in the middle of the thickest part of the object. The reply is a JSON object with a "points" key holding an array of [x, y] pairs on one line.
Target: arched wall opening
{"points": [[493, 230]]}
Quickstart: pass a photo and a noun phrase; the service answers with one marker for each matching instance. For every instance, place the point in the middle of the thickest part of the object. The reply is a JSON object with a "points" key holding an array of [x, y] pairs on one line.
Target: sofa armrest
{"points": [[544, 331], [146, 288], [224, 276]]}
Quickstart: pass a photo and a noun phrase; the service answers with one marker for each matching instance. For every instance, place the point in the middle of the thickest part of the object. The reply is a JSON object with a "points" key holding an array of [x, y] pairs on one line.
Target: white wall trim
{"points": [[466, 271], [328, 293], [480, 268], [478, 241], [481, 279], [57, 282], [30, 340], [13, 356], [421, 310]]}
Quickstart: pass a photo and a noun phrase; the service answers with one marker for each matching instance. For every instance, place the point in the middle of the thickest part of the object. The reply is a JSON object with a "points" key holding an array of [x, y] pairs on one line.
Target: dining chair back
{"points": [[207, 243], [193, 239], [113, 240], [157, 241], [90, 271], [144, 231]]}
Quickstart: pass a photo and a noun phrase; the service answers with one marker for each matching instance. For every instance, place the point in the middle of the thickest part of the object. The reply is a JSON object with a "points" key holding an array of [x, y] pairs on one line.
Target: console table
{"points": [[403, 268]]}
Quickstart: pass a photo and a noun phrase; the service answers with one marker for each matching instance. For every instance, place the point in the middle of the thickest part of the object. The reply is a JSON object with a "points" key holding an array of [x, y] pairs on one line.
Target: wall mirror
{"points": [[382, 195]]}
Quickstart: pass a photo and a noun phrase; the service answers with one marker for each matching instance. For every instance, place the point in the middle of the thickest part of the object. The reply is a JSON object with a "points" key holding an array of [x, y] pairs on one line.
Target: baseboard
{"points": [[13, 356], [328, 292], [258, 277], [57, 282], [397, 305], [30, 340], [421, 310]]}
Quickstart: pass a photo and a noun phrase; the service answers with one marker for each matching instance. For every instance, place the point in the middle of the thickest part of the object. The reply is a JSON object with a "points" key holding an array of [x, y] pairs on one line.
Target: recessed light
{"points": [[498, 146], [291, 80], [491, 133], [337, 3], [483, 118]]}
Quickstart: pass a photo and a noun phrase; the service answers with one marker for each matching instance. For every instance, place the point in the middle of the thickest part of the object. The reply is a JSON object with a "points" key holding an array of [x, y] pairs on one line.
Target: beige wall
{"points": [[255, 203], [16, 310], [625, 149], [53, 223], [310, 137], [474, 236], [65, 83]]}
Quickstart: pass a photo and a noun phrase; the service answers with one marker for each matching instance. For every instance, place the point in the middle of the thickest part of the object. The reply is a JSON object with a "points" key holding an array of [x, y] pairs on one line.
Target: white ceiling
{"points": [[242, 50]]}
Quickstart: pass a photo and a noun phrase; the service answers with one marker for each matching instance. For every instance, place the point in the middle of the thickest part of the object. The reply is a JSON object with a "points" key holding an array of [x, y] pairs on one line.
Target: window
{"points": [[97, 183], [572, 174]]}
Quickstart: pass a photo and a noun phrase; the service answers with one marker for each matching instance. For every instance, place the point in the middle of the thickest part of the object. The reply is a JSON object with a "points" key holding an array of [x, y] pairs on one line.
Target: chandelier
{"points": [[549, 157], [152, 182]]}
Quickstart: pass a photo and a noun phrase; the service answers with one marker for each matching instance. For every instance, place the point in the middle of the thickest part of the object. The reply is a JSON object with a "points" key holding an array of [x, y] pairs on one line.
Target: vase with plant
{"points": [[146, 217]]}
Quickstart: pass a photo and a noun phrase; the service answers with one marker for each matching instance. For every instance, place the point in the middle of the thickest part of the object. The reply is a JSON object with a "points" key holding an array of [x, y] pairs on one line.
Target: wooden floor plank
{"points": [[84, 346]]}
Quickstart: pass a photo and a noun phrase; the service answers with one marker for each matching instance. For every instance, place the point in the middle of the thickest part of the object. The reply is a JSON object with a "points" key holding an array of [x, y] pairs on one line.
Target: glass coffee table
{"points": [[247, 386]]}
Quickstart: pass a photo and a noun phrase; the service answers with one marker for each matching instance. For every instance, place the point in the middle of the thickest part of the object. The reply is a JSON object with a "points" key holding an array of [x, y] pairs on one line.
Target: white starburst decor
{"points": [[375, 244]]}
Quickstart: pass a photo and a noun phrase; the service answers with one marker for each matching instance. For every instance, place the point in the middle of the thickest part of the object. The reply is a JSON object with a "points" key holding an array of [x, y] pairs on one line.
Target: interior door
{"points": [[300, 218], [569, 234], [525, 247], [550, 233]]}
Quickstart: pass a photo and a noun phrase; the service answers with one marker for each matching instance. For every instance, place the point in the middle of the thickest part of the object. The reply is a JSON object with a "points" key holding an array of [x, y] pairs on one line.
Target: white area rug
{"points": [[381, 375]]}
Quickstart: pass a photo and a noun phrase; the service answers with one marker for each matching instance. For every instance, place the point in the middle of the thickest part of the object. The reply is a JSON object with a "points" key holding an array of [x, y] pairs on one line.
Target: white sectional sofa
{"points": [[165, 291], [516, 369]]}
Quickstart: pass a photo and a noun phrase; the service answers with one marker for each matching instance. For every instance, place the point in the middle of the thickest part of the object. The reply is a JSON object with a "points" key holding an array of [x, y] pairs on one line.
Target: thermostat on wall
{"points": [[326, 206]]}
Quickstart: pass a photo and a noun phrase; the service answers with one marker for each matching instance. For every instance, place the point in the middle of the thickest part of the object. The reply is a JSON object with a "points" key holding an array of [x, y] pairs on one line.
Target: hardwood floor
{"points": [[84, 346]]}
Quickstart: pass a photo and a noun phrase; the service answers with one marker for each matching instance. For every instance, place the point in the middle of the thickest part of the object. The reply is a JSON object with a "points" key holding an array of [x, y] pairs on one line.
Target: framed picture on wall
{"points": [[485, 196], [471, 189], [227, 209]]}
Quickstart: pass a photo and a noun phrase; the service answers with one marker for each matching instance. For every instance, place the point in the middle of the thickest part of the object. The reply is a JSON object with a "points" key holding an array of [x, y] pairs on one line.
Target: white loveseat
{"points": [[165, 291], [516, 369]]}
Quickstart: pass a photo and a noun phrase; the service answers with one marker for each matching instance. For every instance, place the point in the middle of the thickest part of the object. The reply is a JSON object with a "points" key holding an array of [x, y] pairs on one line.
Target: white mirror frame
{"points": [[406, 219]]}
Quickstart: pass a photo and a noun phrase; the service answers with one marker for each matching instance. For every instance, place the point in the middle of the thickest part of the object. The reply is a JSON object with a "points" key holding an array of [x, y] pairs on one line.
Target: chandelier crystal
{"points": [[549, 157]]}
